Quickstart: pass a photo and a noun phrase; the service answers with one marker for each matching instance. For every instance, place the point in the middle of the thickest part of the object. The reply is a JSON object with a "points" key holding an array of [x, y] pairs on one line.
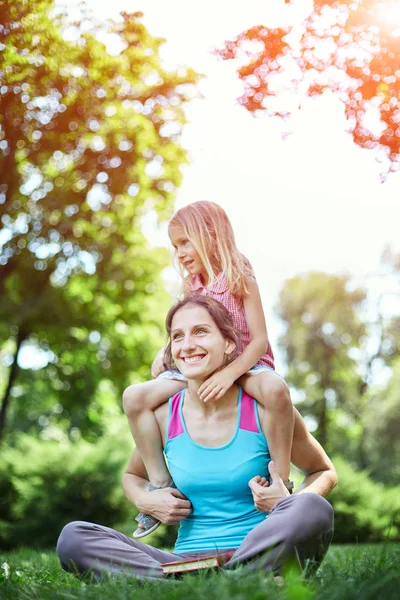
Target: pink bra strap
{"points": [[247, 414], [175, 427]]}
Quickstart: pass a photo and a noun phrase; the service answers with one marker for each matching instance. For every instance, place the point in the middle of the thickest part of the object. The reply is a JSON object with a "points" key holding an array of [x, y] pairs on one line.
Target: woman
{"points": [[218, 458]]}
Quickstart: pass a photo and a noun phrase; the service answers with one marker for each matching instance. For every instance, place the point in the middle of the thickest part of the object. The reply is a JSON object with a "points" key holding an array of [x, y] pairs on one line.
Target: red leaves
{"points": [[364, 66]]}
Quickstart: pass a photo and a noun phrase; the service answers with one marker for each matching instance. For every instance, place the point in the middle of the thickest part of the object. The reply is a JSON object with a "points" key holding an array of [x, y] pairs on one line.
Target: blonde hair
{"points": [[208, 228]]}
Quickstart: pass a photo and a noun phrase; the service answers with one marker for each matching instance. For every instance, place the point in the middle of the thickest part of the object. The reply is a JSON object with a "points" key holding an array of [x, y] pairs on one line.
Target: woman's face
{"points": [[197, 345]]}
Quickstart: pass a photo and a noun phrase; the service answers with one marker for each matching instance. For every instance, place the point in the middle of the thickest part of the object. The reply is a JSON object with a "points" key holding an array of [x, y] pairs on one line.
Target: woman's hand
{"points": [[167, 505], [267, 495], [216, 386], [158, 364]]}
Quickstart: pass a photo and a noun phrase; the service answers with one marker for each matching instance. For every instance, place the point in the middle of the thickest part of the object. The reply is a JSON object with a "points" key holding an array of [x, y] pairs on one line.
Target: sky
{"points": [[313, 201]]}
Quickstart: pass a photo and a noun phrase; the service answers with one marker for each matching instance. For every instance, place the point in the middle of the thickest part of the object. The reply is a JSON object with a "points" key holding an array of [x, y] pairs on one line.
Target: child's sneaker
{"points": [[147, 523]]}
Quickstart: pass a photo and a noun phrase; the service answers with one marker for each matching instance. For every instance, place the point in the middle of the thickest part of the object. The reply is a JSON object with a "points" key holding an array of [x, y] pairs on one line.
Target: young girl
{"points": [[211, 264]]}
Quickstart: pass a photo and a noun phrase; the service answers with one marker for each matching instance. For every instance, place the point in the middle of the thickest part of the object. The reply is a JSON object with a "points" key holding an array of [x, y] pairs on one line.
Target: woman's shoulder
{"points": [[260, 411], [251, 405], [161, 415], [162, 411]]}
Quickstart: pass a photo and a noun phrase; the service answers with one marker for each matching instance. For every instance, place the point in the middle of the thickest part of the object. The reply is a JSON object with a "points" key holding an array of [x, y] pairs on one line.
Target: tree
{"points": [[323, 337], [89, 145], [348, 47], [389, 324], [381, 418], [341, 347], [382, 425]]}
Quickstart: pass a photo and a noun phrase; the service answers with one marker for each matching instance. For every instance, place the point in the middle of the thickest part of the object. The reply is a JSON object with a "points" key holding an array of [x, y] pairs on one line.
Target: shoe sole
{"points": [[140, 532]]}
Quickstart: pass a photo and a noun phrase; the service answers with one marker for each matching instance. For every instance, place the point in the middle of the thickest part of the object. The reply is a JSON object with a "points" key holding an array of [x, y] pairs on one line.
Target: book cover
{"points": [[196, 564]]}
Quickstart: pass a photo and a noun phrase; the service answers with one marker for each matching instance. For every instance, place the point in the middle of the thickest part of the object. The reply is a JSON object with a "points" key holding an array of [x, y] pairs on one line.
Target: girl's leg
{"points": [[273, 393], [139, 402]]}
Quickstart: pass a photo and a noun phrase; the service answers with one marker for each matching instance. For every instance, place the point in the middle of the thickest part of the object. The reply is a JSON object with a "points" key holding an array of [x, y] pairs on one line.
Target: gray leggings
{"points": [[299, 528]]}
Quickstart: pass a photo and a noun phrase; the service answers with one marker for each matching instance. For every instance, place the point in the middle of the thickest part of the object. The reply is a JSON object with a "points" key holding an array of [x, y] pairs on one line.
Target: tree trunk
{"points": [[6, 269], [21, 337], [322, 424], [363, 462]]}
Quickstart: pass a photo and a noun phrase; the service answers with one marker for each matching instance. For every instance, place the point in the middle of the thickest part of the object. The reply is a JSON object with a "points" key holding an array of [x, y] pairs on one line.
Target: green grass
{"points": [[365, 571]]}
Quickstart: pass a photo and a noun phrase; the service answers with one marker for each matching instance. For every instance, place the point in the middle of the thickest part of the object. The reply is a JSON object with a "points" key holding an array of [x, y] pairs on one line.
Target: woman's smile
{"points": [[192, 359], [197, 346]]}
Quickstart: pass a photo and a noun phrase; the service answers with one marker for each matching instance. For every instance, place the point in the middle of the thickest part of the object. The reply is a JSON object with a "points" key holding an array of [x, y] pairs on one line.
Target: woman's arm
{"points": [[307, 455], [168, 505], [217, 385]]}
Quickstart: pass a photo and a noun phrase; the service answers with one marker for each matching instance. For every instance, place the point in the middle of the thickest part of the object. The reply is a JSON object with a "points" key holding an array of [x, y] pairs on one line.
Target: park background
{"points": [[105, 131]]}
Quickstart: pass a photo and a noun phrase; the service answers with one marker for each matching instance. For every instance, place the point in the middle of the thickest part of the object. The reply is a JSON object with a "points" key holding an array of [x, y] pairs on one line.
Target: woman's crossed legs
{"points": [[298, 528]]}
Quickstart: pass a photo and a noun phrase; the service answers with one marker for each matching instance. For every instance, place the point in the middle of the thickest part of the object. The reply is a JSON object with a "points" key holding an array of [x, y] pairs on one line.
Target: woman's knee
{"points": [[322, 511], [70, 545], [313, 515]]}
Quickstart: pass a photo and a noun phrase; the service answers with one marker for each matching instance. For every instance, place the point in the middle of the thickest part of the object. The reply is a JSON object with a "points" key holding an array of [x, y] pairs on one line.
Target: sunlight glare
{"points": [[389, 15]]}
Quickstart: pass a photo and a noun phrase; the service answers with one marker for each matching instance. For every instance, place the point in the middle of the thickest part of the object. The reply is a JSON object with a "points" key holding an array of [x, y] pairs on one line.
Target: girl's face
{"points": [[197, 345], [186, 253]]}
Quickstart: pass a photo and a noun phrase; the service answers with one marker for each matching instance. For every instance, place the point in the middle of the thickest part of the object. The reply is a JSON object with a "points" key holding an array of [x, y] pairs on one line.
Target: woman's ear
{"points": [[230, 347]]}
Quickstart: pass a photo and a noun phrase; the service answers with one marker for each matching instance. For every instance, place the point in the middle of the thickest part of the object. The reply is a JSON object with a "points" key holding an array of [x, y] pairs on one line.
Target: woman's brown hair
{"points": [[219, 314]]}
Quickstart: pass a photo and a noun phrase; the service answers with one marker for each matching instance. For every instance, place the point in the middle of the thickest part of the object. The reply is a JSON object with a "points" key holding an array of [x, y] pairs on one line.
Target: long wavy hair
{"points": [[219, 314], [208, 228]]}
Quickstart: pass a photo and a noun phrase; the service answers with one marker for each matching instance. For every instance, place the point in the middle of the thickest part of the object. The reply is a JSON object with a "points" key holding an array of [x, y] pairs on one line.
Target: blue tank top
{"points": [[215, 480]]}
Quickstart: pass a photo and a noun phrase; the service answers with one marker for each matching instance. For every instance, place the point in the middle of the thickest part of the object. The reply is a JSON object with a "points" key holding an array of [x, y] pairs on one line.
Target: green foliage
{"points": [[323, 330], [347, 573], [381, 421], [336, 342], [365, 511], [89, 146], [46, 484]]}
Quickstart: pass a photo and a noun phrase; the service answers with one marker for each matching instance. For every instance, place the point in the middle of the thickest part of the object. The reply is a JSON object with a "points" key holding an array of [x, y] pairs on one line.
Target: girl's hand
{"points": [[263, 481], [216, 386], [158, 364], [266, 496]]}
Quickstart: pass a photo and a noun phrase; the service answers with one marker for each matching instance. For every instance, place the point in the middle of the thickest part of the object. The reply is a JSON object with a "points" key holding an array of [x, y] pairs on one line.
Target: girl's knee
{"points": [[134, 399], [276, 394], [143, 397]]}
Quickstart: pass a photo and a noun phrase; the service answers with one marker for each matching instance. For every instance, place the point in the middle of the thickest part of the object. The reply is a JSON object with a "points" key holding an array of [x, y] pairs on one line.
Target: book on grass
{"points": [[196, 564]]}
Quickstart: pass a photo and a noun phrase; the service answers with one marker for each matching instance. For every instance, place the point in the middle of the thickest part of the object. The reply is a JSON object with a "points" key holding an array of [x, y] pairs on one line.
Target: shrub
{"points": [[46, 484], [365, 511]]}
